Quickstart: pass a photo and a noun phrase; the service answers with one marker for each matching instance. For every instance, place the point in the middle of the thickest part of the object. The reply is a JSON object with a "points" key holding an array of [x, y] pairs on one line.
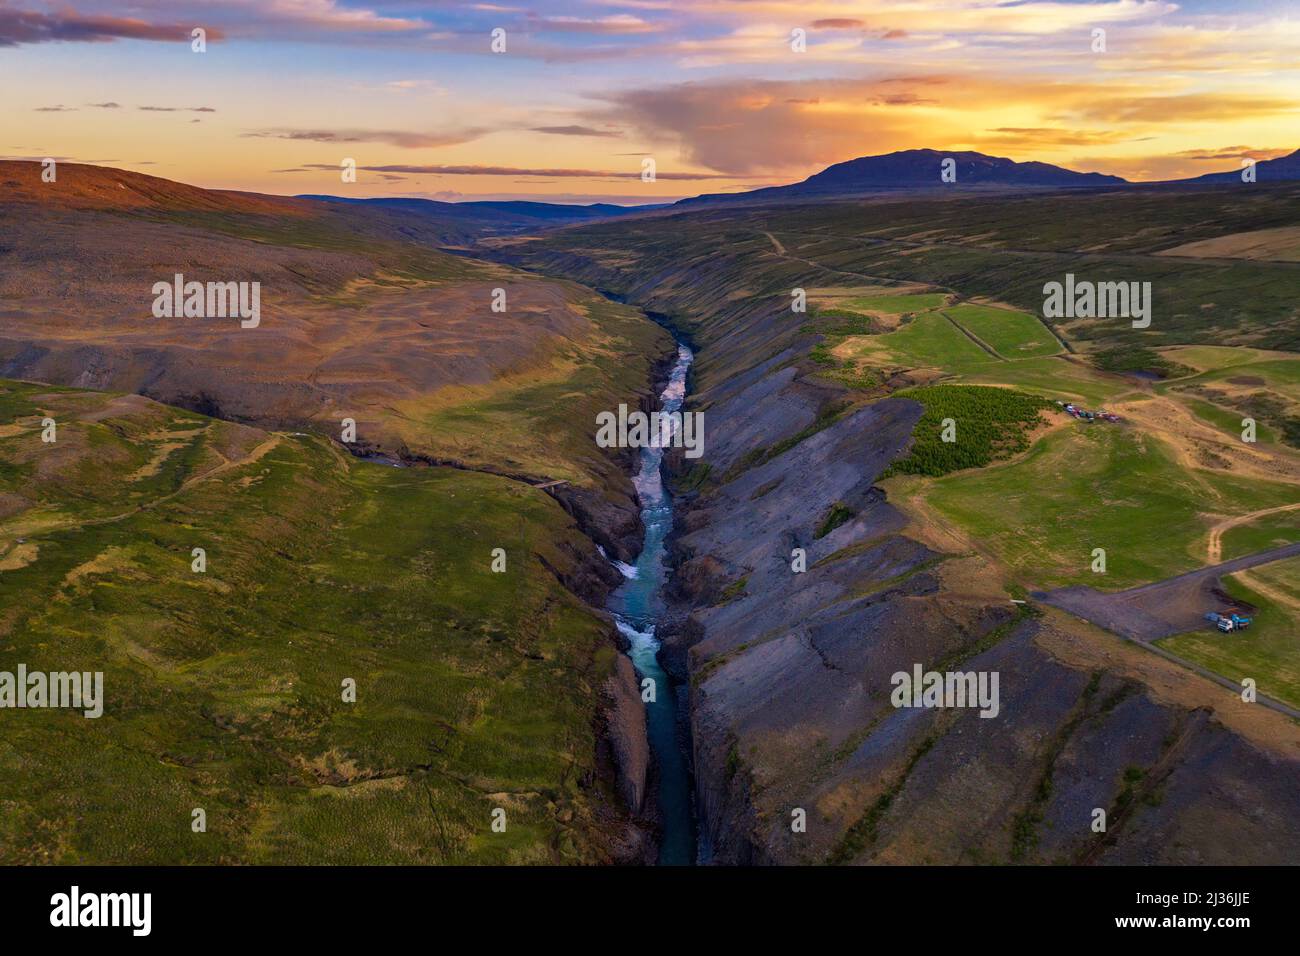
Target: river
{"points": [[638, 606]]}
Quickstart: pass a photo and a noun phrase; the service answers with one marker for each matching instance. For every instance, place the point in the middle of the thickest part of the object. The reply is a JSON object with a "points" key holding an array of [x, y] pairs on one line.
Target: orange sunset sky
{"points": [[712, 90]]}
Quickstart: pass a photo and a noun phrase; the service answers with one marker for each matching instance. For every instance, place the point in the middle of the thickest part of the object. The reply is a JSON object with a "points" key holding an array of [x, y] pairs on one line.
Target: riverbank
{"points": [[639, 607]]}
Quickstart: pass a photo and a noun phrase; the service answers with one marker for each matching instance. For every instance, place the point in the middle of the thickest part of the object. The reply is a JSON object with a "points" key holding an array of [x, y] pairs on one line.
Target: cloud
{"points": [[474, 170], [1037, 137], [1234, 152], [222, 19], [575, 131], [403, 138], [616, 24], [176, 109], [106, 106], [402, 86], [324, 15], [791, 127], [754, 127], [1190, 107], [950, 16], [66, 26], [55, 109]]}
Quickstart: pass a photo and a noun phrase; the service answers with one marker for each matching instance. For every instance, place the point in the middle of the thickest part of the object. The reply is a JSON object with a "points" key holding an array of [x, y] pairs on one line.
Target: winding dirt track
{"points": [[1214, 550]]}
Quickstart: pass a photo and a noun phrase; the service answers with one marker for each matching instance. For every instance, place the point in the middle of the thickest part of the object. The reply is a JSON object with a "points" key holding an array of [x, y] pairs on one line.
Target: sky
{"points": [[722, 95]]}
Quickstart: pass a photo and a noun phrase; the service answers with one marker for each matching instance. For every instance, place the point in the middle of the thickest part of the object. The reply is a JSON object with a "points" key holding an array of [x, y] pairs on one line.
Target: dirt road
{"points": [[1162, 609], [1214, 551]]}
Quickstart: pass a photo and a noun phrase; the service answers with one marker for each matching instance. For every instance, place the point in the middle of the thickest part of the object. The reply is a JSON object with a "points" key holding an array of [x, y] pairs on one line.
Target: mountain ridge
{"points": [[920, 169], [1267, 170]]}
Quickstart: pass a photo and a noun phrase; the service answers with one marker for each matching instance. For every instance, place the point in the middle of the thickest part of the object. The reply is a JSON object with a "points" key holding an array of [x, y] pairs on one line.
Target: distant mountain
{"points": [[1268, 170], [918, 169], [506, 214]]}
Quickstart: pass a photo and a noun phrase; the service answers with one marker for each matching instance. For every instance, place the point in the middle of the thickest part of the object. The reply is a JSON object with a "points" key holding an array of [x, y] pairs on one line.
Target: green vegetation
{"points": [[734, 590], [1268, 370], [863, 832], [839, 322], [1096, 487], [1131, 779], [836, 516], [988, 424], [733, 761], [1261, 385], [1136, 359], [835, 325], [1269, 650], [1011, 334], [223, 689], [1227, 421], [1054, 378], [696, 476], [1273, 415], [1210, 357], [929, 341]]}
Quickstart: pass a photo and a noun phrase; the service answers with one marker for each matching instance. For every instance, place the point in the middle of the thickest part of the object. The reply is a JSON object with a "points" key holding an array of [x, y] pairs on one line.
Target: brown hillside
{"points": [[78, 186]]}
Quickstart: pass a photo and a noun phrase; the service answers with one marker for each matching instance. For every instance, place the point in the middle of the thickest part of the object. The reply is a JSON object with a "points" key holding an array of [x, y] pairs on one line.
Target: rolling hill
{"points": [[363, 318]]}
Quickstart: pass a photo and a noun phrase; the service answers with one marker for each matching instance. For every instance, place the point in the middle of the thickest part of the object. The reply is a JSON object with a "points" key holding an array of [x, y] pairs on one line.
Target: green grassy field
{"points": [[930, 341], [1211, 357], [1277, 372], [1011, 334], [1100, 486], [1054, 378], [1267, 651], [474, 690]]}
